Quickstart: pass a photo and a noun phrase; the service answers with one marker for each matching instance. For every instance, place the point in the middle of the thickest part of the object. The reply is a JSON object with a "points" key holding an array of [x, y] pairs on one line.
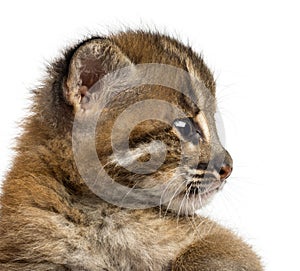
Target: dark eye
{"points": [[185, 127]]}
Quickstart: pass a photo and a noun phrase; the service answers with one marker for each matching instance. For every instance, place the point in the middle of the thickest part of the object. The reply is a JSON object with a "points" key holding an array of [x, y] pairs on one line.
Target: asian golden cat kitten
{"points": [[143, 104]]}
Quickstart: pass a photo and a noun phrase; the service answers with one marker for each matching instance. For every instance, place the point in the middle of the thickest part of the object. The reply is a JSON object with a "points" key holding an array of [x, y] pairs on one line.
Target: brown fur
{"points": [[50, 220]]}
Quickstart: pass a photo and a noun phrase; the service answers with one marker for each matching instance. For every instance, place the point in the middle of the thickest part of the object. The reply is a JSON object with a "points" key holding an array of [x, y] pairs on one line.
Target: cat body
{"points": [[51, 218]]}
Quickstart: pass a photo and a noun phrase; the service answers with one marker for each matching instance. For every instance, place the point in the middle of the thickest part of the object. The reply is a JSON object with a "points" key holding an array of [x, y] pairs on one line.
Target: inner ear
{"points": [[91, 72], [89, 64]]}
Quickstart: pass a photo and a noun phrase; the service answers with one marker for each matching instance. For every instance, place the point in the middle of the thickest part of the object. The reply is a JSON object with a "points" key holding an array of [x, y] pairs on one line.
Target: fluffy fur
{"points": [[50, 219]]}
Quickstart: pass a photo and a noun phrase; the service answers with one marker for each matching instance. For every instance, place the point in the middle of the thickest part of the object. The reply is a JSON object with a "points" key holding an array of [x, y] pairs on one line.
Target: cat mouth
{"points": [[194, 189], [199, 190], [203, 187]]}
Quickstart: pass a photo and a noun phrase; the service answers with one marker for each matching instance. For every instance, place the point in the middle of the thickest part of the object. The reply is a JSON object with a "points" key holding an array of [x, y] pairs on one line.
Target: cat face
{"points": [[152, 124]]}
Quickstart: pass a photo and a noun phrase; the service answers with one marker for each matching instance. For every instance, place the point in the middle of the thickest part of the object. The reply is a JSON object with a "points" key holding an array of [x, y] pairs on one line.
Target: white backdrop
{"points": [[253, 49]]}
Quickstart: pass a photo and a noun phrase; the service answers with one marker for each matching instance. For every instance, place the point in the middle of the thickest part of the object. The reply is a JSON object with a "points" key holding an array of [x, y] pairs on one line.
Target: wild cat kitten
{"points": [[51, 217]]}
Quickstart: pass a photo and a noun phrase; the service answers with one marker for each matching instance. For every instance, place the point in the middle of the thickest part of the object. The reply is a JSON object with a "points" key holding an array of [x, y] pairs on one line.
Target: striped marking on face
{"points": [[202, 122]]}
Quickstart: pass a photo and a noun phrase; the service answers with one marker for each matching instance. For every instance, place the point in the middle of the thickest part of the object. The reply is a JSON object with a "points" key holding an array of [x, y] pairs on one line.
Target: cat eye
{"points": [[186, 128]]}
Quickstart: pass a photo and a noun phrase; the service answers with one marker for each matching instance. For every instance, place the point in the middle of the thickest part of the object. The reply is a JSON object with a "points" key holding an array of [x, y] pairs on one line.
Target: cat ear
{"points": [[90, 62]]}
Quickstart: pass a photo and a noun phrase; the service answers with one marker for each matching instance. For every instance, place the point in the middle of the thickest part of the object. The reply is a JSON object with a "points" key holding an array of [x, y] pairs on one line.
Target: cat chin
{"points": [[188, 206]]}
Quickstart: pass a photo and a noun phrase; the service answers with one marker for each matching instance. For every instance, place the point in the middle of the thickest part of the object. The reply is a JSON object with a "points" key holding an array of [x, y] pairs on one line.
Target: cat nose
{"points": [[225, 171]]}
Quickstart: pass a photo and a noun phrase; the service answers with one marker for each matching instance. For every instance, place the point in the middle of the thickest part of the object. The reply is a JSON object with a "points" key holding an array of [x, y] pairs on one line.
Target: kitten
{"points": [[119, 152]]}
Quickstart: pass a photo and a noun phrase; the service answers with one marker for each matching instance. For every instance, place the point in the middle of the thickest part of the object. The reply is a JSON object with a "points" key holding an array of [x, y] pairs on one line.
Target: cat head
{"points": [[141, 106]]}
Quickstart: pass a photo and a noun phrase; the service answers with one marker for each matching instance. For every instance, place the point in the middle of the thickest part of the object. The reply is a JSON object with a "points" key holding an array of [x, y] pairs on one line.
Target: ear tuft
{"points": [[90, 63]]}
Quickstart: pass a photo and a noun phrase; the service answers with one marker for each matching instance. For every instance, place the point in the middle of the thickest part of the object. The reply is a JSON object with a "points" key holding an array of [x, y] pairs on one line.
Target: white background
{"points": [[253, 49]]}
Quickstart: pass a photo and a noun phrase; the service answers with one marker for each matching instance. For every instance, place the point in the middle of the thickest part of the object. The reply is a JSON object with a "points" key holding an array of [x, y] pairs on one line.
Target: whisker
{"points": [[167, 187], [186, 197], [131, 189], [178, 213], [164, 191], [174, 194], [169, 204], [200, 200]]}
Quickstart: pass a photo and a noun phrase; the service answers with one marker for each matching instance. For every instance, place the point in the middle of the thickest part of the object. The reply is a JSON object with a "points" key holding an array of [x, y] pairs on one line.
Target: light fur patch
{"points": [[127, 158], [203, 124]]}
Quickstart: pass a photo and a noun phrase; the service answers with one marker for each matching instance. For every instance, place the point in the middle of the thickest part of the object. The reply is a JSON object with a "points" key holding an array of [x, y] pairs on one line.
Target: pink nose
{"points": [[225, 171]]}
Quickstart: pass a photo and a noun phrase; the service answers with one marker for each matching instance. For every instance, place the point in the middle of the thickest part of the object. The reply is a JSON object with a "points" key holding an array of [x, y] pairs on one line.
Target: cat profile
{"points": [[140, 106]]}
